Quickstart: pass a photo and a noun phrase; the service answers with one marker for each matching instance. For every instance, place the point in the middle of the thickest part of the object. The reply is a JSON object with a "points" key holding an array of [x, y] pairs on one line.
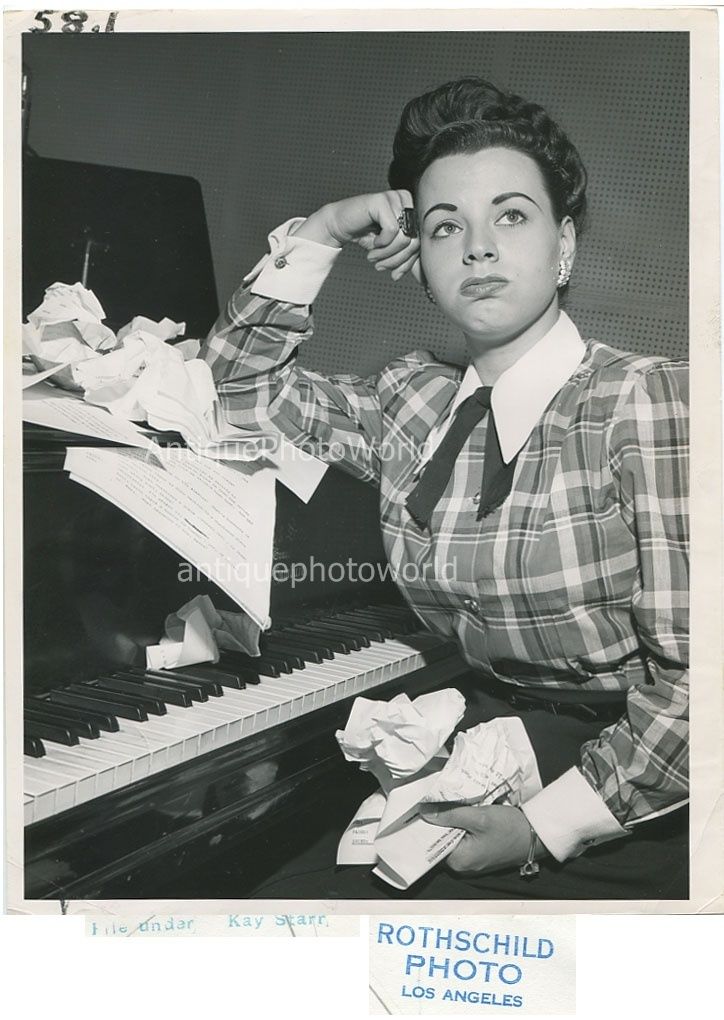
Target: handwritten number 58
{"points": [[73, 21]]}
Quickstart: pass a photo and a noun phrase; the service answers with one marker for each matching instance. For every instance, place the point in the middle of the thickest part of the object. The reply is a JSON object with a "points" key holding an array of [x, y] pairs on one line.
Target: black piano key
{"points": [[404, 623], [170, 694], [105, 720], [370, 624], [33, 746], [50, 713], [332, 642], [369, 630], [243, 674], [56, 732], [196, 690], [215, 677], [305, 644], [188, 673], [280, 661], [206, 676], [79, 729], [117, 704], [147, 699], [256, 663], [394, 612], [292, 656], [355, 638]]}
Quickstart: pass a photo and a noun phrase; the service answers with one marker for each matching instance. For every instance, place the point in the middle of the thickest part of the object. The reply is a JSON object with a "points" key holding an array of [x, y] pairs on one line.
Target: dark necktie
{"points": [[497, 476]]}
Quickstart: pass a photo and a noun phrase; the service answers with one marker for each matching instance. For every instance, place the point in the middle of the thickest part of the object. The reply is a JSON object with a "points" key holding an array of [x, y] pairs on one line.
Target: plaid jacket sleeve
{"points": [[252, 351], [639, 766]]}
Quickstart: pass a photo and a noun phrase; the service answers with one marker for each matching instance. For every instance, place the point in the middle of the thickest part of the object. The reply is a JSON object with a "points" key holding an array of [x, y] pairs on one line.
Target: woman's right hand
{"points": [[370, 221]]}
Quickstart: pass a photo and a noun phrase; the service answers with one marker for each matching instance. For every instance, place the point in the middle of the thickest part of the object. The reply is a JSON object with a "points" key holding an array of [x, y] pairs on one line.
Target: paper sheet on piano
{"points": [[219, 517], [43, 404]]}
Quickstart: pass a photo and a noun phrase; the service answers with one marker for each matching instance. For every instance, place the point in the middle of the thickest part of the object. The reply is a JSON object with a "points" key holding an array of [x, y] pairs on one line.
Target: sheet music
{"points": [[219, 518], [43, 404]]}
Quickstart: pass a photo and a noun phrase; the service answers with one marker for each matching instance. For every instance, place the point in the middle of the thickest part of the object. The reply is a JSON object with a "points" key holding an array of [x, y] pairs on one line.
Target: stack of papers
{"points": [[217, 517]]}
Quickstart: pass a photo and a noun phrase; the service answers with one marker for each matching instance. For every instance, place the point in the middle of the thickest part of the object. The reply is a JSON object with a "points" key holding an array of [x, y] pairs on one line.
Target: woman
{"points": [[551, 473]]}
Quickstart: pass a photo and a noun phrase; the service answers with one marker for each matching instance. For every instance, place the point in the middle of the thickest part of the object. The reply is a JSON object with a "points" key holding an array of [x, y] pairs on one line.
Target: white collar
{"points": [[522, 393]]}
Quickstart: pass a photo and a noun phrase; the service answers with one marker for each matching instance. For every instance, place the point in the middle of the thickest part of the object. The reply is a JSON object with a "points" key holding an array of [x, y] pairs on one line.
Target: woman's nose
{"points": [[479, 249]]}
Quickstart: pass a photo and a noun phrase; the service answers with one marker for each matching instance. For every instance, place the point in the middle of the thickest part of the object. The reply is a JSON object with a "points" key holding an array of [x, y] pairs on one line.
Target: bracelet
{"points": [[531, 867]]}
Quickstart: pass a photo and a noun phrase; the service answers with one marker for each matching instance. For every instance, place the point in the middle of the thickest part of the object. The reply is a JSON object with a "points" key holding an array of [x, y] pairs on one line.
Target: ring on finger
{"points": [[407, 222]]}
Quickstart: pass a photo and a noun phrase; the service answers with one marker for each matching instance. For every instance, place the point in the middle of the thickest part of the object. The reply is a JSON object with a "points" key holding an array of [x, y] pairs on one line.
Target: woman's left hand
{"points": [[497, 837]]}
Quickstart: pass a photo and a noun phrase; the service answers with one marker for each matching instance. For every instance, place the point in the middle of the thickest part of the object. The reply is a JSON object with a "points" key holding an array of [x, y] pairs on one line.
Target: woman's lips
{"points": [[482, 286]]}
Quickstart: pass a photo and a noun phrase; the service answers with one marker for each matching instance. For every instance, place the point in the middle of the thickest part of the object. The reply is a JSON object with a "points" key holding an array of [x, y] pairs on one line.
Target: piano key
{"points": [[171, 683], [147, 698], [206, 678], [119, 705], [140, 748], [353, 641], [250, 662], [292, 656], [105, 720], [296, 654], [169, 696], [237, 680], [372, 627], [326, 643], [304, 642], [386, 628], [69, 712], [55, 713], [367, 628], [51, 731], [33, 746]]}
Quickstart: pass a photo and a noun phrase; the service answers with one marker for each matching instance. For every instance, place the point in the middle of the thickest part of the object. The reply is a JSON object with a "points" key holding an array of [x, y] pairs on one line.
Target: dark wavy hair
{"points": [[470, 114]]}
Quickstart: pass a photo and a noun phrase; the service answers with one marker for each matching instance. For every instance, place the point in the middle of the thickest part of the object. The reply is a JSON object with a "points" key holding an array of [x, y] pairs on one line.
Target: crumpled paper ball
{"points": [[400, 735], [482, 765], [65, 329]]}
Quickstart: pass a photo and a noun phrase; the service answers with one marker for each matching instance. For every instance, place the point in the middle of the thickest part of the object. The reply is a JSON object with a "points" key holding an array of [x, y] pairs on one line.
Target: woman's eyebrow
{"points": [[513, 194], [440, 205]]}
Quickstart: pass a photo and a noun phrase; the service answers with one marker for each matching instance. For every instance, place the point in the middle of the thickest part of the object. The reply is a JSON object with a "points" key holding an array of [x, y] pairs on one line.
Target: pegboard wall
{"points": [[274, 125]]}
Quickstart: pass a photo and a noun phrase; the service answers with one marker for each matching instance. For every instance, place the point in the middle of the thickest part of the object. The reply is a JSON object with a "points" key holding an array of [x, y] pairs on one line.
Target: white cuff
{"points": [[569, 816], [295, 267]]}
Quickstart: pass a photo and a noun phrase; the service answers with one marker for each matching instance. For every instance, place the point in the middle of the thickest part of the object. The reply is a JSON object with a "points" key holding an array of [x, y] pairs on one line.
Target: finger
{"points": [[409, 266], [387, 214], [400, 243], [394, 261], [458, 817], [466, 856], [367, 241]]}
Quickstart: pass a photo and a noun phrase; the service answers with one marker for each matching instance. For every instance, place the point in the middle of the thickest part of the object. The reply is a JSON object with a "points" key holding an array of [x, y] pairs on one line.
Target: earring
{"points": [[430, 295], [564, 272]]}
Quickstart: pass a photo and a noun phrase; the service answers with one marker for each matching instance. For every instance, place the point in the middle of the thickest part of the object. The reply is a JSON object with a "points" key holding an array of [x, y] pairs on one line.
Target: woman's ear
{"points": [[416, 270], [568, 240]]}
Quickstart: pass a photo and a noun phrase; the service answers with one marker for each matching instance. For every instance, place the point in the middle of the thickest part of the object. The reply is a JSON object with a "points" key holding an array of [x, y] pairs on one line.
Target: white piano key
{"points": [[138, 749]]}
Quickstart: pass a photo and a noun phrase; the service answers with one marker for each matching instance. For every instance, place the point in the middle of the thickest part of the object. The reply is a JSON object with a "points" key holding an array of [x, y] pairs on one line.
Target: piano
{"points": [[198, 783]]}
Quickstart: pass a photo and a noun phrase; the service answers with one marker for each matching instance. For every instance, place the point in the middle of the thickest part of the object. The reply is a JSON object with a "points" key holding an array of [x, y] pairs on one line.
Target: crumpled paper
{"points": [[482, 762], [494, 761], [65, 329], [197, 631], [395, 739]]}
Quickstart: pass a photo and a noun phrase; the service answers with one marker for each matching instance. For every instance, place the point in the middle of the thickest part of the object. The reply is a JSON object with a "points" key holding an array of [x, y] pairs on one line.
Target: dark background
{"points": [[275, 124]]}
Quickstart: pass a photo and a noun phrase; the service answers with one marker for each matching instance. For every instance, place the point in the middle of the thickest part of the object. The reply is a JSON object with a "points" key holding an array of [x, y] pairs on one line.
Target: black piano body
{"points": [[98, 587]]}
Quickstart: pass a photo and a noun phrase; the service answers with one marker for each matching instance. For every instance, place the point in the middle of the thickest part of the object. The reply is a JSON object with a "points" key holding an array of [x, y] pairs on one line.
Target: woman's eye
{"points": [[445, 229], [512, 217]]}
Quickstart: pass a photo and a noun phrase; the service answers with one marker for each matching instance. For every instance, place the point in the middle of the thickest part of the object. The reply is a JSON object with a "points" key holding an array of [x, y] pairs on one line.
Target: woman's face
{"points": [[491, 245]]}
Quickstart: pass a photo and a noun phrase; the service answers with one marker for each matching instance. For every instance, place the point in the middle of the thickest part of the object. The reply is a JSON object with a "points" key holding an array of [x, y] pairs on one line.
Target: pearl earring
{"points": [[430, 295], [564, 272]]}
